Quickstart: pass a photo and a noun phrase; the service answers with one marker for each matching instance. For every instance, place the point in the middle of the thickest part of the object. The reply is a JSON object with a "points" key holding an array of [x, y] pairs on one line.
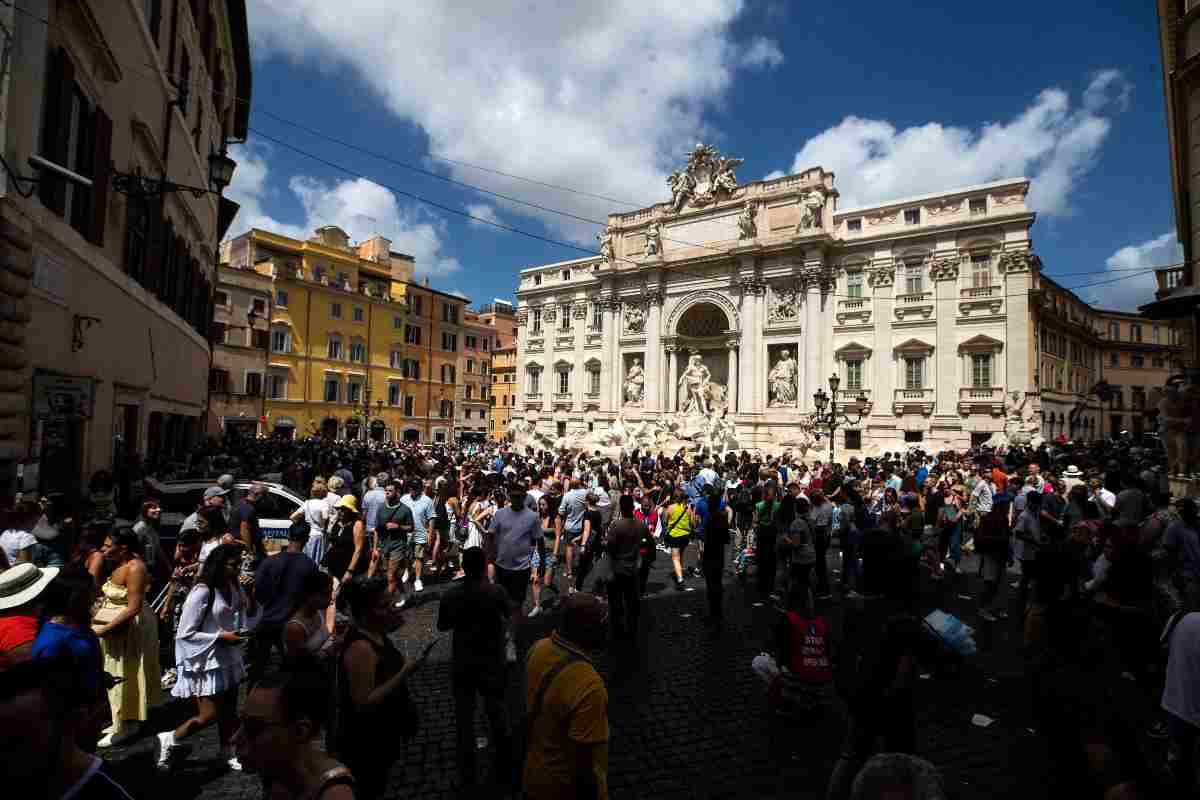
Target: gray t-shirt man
{"points": [[516, 534], [373, 500], [572, 509]]}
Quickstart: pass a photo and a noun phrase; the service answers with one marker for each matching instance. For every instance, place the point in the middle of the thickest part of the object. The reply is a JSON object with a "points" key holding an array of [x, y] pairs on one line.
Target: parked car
{"points": [[181, 498]]}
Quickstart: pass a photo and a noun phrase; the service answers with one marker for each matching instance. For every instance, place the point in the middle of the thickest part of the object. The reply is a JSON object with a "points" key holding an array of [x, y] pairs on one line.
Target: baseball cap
{"points": [[215, 491]]}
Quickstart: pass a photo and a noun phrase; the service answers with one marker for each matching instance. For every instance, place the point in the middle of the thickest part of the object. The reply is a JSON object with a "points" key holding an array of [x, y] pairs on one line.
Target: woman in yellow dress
{"points": [[128, 635]]}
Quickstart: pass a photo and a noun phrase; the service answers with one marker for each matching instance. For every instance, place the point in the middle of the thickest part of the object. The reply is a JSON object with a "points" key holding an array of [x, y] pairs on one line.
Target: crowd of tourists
{"points": [[291, 656]]}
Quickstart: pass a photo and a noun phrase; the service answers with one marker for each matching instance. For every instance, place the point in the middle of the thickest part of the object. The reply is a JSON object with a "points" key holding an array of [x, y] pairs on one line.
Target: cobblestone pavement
{"points": [[689, 719]]}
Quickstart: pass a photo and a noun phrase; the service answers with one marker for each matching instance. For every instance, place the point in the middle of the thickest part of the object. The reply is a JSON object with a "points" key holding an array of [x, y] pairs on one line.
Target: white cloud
{"points": [[1134, 289], [763, 52], [482, 211], [605, 97], [362, 208], [1050, 141]]}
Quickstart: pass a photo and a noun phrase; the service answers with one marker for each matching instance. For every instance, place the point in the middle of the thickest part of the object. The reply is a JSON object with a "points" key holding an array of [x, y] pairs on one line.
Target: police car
{"points": [[180, 498]]}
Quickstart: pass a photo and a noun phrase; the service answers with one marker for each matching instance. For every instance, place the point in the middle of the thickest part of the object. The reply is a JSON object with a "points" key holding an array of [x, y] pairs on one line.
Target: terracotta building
{"points": [[120, 112], [474, 366], [500, 316]]}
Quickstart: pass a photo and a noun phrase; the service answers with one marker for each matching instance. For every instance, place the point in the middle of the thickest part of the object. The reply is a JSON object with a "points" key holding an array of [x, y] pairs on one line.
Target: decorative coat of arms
{"points": [[707, 178]]}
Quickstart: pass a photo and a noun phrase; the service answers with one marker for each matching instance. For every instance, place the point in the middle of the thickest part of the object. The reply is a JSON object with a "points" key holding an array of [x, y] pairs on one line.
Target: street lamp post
{"points": [[834, 418], [366, 410]]}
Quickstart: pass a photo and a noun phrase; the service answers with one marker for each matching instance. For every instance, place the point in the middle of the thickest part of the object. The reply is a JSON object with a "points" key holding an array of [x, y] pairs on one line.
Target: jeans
{"points": [[624, 601], [821, 545], [956, 537], [465, 688], [851, 571], [714, 571]]}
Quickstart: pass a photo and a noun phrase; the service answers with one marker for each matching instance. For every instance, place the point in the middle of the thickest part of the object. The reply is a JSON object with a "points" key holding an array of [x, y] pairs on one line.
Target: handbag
{"points": [[106, 614]]}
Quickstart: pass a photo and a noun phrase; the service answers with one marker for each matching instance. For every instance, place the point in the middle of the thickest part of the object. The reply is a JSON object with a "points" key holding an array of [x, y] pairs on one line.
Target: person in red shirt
{"points": [[20, 589]]}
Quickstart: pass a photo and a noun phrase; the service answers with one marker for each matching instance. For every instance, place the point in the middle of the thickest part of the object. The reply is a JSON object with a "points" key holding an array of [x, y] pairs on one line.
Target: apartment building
{"points": [[357, 347], [501, 317], [241, 341], [475, 378], [1137, 356]]}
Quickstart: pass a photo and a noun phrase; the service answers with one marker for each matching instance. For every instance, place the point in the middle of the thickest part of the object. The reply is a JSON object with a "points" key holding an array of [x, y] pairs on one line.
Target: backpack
{"points": [[770, 526]]}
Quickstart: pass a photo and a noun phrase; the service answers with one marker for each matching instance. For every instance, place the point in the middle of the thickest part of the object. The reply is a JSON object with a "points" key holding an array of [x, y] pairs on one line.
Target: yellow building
{"points": [[502, 319], [356, 347]]}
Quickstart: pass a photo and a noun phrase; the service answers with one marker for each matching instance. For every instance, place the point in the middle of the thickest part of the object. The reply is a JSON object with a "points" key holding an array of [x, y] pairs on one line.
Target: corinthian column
{"points": [[732, 392], [653, 355], [672, 402]]}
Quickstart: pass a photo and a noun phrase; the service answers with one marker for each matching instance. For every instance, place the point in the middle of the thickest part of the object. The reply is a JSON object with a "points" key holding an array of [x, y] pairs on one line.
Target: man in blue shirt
{"points": [[421, 507], [372, 501]]}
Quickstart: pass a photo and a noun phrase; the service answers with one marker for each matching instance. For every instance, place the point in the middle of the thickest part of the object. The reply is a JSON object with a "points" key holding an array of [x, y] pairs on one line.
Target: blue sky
{"points": [[606, 98]]}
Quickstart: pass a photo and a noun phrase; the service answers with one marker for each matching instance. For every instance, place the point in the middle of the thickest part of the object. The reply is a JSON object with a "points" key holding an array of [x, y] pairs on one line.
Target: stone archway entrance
{"points": [[378, 430], [412, 435], [329, 428]]}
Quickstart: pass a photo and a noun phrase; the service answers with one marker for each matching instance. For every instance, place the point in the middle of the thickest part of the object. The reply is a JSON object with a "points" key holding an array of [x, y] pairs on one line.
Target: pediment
{"points": [[982, 343], [914, 346], [852, 350]]}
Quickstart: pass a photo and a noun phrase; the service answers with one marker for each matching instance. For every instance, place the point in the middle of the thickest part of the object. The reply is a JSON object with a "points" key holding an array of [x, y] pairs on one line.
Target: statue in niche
{"points": [[810, 209], [654, 239], [781, 381], [745, 221], [693, 387], [785, 302], [606, 245], [635, 319], [635, 384]]}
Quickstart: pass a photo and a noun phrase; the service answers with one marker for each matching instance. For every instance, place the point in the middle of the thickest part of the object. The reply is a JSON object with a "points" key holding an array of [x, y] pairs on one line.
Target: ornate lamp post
{"points": [[834, 419]]}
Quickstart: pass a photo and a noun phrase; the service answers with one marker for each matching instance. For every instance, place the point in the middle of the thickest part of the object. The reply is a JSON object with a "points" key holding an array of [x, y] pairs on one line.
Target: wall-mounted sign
{"points": [[62, 397]]}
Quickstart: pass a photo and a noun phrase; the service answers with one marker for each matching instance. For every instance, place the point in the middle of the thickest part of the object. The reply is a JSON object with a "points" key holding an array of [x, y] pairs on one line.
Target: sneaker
{"points": [[1157, 731], [226, 755], [570, 590], [164, 744], [679, 587], [984, 614], [119, 734], [1002, 614], [535, 611], [417, 585], [1015, 585], [404, 577], [852, 595]]}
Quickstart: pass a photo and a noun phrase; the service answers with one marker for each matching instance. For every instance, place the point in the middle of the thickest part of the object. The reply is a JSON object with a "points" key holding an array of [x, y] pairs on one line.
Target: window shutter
{"points": [[56, 128], [182, 276], [155, 21], [101, 175], [166, 286]]}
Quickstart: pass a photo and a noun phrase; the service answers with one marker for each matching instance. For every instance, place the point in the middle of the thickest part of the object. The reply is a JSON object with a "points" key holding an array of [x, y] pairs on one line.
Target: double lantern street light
{"points": [[835, 418]]}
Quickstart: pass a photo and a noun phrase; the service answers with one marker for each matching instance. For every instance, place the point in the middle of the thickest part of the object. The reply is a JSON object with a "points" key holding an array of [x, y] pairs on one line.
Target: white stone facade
{"points": [[921, 305]]}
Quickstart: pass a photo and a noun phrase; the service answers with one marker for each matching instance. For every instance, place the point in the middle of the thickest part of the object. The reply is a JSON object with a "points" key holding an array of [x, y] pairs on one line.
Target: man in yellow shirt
{"points": [[567, 702]]}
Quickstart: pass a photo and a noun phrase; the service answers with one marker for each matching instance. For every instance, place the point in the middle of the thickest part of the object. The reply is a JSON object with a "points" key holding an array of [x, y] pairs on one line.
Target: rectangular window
{"points": [[393, 394], [597, 317], [1135, 332], [332, 386], [912, 216], [561, 429], [978, 206], [335, 349], [218, 380], [279, 340], [353, 392], [281, 298], [412, 369], [981, 271], [221, 299], [536, 321], [1137, 361], [1114, 331], [470, 392], [1117, 422], [564, 317], [1156, 334], [470, 366], [359, 314], [914, 373], [260, 306], [854, 284], [276, 387], [564, 382], [471, 343], [217, 332], [343, 280], [981, 370], [395, 359], [914, 281], [854, 374], [408, 405], [1159, 362], [447, 373], [397, 323], [853, 440], [450, 342], [1114, 360], [412, 334], [594, 382], [854, 225], [914, 436], [358, 352], [335, 310], [535, 381], [449, 313], [259, 339]]}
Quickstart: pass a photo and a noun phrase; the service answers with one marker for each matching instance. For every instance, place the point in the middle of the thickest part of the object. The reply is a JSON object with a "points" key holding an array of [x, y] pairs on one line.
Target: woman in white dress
{"points": [[316, 512], [217, 616]]}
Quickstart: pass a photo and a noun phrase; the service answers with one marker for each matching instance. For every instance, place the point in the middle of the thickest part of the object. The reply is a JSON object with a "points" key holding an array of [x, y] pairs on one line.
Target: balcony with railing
{"points": [[981, 398], [913, 298], [914, 304], [979, 292], [920, 400], [854, 308]]}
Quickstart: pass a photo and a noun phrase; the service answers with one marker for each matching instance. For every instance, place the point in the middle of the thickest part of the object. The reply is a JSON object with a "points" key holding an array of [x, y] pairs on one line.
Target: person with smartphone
{"points": [[216, 619]]}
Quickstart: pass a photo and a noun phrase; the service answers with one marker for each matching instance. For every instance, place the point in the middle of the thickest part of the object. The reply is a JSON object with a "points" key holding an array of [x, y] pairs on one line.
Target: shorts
{"points": [[392, 552], [536, 561], [418, 551], [515, 582], [572, 537], [678, 542]]}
